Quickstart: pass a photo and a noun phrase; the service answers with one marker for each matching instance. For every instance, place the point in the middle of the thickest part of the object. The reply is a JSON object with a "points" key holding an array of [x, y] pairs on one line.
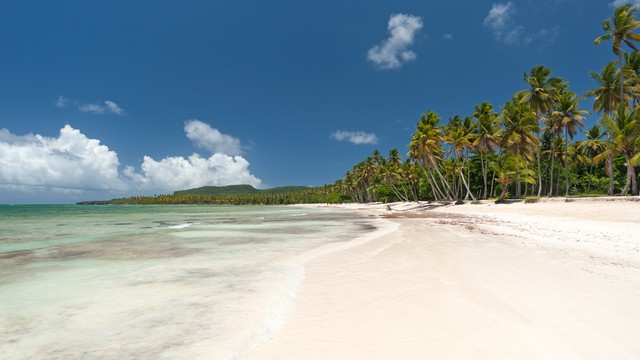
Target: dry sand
{"points": [[550, 280]]}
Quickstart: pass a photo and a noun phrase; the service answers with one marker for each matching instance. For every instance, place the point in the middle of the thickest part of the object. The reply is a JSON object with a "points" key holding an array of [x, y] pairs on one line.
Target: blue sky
{"points": [[116, 98]]}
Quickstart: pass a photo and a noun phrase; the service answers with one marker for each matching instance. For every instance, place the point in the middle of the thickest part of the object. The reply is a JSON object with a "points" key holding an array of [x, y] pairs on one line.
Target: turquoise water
{"points": [[150, 282]]}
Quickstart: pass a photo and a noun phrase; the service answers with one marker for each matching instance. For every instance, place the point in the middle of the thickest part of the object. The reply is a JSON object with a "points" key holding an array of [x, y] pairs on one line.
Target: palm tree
{"points": [[624, 132], [594, 146], [508, 169], [519, 129], [620, 29], [606, 94], [426, 150], [632, 69], [486, 137], [607, 97], [461, 139], [570, 118], [540, 96]]}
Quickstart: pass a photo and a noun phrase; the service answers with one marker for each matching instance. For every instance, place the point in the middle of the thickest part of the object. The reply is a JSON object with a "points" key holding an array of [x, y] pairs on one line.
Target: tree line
{"points": [[527, 148]]}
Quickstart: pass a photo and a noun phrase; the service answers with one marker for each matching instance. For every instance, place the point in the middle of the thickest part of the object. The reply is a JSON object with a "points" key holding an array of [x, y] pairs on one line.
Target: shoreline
{"points": [[551, 279]]}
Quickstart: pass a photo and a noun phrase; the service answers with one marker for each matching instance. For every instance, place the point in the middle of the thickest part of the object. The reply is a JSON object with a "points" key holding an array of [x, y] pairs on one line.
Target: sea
{"points": [[157, 282]]}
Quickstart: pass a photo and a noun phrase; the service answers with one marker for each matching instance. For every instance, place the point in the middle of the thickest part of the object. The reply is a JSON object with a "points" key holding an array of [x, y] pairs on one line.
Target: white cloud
{"points": [[70, 161], [506, 30], [113, 107], [174, 173], [62, 102], [500, 21], [97, 108], [617, 3], [448, 36], [74, 163], [393, 52], [355, 137], [211, 139]]}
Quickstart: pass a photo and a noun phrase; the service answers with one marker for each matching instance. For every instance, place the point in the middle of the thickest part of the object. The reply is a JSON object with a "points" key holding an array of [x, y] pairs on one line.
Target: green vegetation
{"points": [[527, 148], [237, 195], [239, 190]]}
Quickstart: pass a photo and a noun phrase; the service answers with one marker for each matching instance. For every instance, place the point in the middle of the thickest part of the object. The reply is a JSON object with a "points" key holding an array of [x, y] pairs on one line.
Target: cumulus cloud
{"points": [[97, 108], [393, 52], [69, 161], [211, 139], [355, 137], [448, 36], [74, 163], [505, 29], [177, 172]]}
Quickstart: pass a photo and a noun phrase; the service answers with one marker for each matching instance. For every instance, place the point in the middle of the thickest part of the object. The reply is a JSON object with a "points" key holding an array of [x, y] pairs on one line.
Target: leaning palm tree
{"points": [[540, 96], [460, 139], [426, 150], [619, 28], [570, 119]]}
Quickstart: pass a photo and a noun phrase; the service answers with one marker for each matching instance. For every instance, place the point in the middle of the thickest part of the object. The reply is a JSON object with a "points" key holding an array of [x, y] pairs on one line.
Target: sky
{"points": [[104, 99]]}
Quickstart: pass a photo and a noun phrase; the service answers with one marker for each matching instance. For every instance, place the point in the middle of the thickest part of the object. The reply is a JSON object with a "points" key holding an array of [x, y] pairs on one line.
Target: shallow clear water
{"points": [[149, 282]]}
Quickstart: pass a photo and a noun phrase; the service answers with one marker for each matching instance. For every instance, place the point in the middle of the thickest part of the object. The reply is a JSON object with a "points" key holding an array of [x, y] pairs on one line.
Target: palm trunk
{"points": [[467, 186], [631, 174], [610, 171], [566, 159], [484, 175], [539, 170], [493, 182], [503, 194], [621, 75], [553, 158], [590, 175]]}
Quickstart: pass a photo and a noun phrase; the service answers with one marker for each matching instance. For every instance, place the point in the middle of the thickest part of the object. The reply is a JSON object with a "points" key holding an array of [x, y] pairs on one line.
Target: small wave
{"points": [[181, 226]]}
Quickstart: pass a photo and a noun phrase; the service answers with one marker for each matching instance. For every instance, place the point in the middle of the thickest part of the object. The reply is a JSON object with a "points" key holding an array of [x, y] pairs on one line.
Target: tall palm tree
{"points": [[486, 137], [540, 96], [519, 128], [624, 132], [461, 139], [607, 97], [619, 28], [570, 119]]}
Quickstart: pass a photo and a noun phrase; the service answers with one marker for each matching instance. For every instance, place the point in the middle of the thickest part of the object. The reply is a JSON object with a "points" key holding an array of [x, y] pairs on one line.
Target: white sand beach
{"points": [[546, 280]]}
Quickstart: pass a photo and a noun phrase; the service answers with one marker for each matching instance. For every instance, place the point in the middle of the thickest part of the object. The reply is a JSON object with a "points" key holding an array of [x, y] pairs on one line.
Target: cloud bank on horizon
{"points": [[74, 163], [393, 52]]}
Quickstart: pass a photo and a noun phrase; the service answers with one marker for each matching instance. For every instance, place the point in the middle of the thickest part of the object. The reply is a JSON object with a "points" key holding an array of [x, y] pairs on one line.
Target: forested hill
{"points": [[239, 190], [236, 195]]}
